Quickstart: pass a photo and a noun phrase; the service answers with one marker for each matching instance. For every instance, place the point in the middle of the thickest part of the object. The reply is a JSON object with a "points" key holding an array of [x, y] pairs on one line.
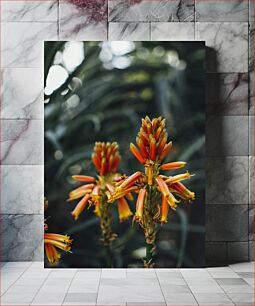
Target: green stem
{"points": [[149, 248]]}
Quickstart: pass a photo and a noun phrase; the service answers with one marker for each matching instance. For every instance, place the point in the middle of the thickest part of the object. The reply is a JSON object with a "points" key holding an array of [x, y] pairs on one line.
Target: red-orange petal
{"points": [[137, 153], [83, 178]]}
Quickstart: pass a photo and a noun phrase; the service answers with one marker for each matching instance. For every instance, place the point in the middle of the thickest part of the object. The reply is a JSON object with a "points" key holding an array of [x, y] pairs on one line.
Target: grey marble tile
{"points": [[251, 68], [81, 297], [215, 252], [227, 42], [234, 10], [227, 94], [242, 299], [129, 31], [175, 31], [22, 142], [251, 180], [22, 237], [213, 299], [23, 42], [22, 93], [22, 189], [227, 223], [251, 222], [227, 135], [76, 24], [151, 10], [251, 135], [23, 10], [251, 250], [251, 10], [238, 251], [227, 180]]}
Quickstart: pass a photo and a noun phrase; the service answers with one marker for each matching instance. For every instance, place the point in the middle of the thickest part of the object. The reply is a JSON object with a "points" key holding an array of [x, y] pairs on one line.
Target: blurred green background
{"points": [[99, 91]]}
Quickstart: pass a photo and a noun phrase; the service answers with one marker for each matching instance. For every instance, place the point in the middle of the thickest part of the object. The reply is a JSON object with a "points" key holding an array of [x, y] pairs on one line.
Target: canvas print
{"points": [[124, 154]]}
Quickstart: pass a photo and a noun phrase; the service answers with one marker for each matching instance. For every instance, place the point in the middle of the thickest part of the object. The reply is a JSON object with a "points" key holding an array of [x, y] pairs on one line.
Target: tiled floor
{"points": [[27, 283]]}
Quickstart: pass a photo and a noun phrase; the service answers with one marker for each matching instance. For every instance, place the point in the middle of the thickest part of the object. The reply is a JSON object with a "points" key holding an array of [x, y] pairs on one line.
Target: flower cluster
{"points": [[156, 192], [96, 191], [54, 241]]}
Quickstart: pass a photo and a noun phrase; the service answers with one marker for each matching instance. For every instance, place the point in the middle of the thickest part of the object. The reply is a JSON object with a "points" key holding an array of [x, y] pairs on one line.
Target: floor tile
{"points": [[243, 267], [213, 299], [242, 299], [180, 299], [81, 297], [222, 272], [230, 281]]}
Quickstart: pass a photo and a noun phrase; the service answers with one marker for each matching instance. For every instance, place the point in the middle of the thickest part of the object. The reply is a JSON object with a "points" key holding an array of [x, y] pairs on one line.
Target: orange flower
{"points": [[124, 210], [140, 204], [153, 147], [106, 160], [53, 241]]}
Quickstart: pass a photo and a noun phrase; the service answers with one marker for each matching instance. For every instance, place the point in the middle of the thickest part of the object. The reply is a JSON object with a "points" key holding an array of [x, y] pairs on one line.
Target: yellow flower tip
{"points": [[124, 210]]}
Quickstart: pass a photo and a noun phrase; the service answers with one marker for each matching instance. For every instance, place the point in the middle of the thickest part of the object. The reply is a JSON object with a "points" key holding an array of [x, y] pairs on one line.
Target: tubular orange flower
{"points": [[137, 153], [124, 210], [131, 180], [165, 151], [83, 178], [106, 160], [184, 191], [152, 150], [53, 241], [140, 204], [80, 207], [178, 178], [52, 254], [164, 210], [173, 166]]}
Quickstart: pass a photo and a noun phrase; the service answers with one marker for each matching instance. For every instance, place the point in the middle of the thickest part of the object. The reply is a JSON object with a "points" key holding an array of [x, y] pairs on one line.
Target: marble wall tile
{"points": [[251, 222], [227, 94], [22, 93], [227, 223], [129, 31], [74, 24], [251, 250], [251, 135], [172, 31], [215, 252], [234, 10], [22, 189], [151, 10], [227, 43], [251, 180], [251, 69], [227, 135], [238, 251], [23, 10], [227, 180], [22, 142], [23, 42], [22, 237], [251, 10]]}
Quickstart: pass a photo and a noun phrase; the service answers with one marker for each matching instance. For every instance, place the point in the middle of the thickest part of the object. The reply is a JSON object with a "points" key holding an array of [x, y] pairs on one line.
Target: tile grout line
{"points": [[15, 280], [98, 287], [69, 286], [160, 287], [188, 287], [220, 285], [40, 287]]}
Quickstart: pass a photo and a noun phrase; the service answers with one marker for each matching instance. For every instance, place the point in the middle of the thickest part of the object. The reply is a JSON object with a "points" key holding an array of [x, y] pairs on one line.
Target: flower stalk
{"points": [[156, 192]]}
